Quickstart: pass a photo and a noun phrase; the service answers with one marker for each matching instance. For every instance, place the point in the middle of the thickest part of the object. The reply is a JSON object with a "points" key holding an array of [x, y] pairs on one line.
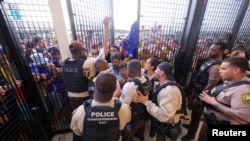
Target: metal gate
{"points": [[222, 21], [242, 40], [161, 27], [40, 114], [179, 31], [87, 21], [37, 116], [17, 119]]}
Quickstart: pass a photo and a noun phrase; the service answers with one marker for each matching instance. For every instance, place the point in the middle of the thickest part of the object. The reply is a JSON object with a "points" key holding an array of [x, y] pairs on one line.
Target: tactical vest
{"points": [[101, 123], [144, 88], [73, 77], [156, 91], [160, 125], [219, 88], [201, 77]]}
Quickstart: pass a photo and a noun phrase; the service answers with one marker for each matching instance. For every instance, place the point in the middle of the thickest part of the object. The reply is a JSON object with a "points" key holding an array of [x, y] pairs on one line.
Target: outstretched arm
{"points": [[106, 23]]}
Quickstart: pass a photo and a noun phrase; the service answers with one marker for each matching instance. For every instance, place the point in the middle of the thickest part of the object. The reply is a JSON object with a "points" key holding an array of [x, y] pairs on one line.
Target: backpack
{"points": [[145, 88], [183, 109]]}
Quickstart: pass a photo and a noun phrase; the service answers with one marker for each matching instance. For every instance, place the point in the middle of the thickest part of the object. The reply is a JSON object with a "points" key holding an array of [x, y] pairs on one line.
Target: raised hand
{"points": [[107, 20]]}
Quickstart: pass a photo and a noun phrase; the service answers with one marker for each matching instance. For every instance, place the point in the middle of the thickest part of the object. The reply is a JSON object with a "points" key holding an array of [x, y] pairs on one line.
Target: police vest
{"points": [[155, 93], [73, 77], [101, 123], [201, 77]]}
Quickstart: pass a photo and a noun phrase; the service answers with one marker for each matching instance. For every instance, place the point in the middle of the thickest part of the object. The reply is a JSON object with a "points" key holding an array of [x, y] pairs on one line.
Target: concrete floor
{"points": [[69, 137]]}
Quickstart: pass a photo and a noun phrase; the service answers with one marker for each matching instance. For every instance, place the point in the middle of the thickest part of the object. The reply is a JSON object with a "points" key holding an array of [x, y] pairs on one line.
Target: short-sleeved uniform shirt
{"points": [[238, 98]]}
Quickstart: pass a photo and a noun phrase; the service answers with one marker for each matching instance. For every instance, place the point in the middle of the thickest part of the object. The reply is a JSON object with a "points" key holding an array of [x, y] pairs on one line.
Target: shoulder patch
{"points": [[245, 98]]}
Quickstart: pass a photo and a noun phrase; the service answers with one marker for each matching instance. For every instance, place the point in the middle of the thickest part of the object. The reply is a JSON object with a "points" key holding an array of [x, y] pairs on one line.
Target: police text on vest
{"points": [[102, 114]]}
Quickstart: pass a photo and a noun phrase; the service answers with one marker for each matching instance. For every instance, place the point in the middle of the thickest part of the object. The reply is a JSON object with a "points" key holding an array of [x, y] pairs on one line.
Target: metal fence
{"points": [[243, 38], [221, 22], [168, 30], [219, 18], [87, 20], [10, 101], [29, 21], [161, 27], [164, 30]]}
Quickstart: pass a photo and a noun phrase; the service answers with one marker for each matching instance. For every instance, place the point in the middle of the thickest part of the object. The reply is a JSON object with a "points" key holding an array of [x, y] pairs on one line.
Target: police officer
{"points": [[205, 79], [230, 106], [77, 71], [103, 117], [128, 95], [164, 104], [101, 66]]}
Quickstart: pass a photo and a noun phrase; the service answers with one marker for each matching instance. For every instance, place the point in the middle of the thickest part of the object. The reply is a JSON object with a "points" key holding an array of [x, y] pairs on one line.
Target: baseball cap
{"points": [[168, 70], [54, 51], [105, 85], [38, 58], [76, 45]]}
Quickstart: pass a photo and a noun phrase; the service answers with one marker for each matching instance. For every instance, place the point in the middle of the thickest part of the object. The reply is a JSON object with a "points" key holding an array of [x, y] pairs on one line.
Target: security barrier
{"points": [[178, 31]]}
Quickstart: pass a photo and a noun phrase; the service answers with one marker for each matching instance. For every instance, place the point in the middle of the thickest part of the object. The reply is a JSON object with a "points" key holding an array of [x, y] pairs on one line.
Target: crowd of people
{"points": [[108, 100]]}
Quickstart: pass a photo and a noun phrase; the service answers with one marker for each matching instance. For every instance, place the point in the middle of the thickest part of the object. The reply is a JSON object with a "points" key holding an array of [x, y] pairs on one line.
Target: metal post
{"points": [[237, 24], [138, 29], [112, 31], [57, 13], [71, 18], [184, 57], [36, 111], [14, 50]]}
